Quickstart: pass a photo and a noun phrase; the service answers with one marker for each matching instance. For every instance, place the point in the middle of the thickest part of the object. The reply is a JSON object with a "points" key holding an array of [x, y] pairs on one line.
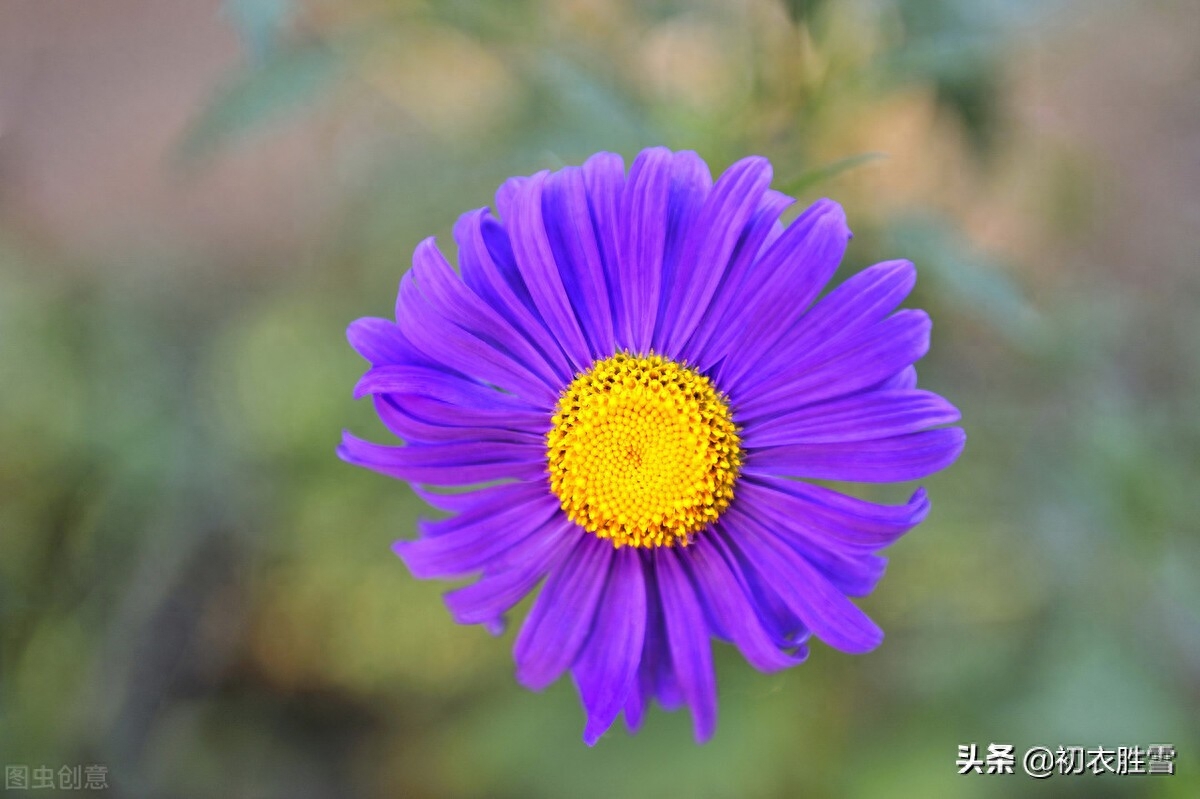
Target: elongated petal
{"points": [[865, 299], [858, 361], [561, 617], [687, 637], [656, 672], [862, 417], [381, 342], [690, 186], [489, 598], [490, 270], [644, 214], [787, 279], [422, 404], [786, 629], [709, 245], [854, 572], [885, 460], [725, 596], [468, 543], [453, 299], [506, 197], [835, 519], [606, 670], [824, 609], [906, 378], [446, 415], [535, 259], [452, 464], [635, 706], [476, 502], [428, 382], [442, 341], [735, 284], [420, 420], [604, 177], [572, 237]]}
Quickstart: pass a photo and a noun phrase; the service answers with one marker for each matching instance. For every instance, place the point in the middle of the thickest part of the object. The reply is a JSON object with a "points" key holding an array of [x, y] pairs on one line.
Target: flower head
{"points": [[632, 374]]}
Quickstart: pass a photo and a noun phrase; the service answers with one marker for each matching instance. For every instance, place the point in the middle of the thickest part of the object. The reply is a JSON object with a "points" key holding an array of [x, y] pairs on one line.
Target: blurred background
{"points": [[196, 197]]}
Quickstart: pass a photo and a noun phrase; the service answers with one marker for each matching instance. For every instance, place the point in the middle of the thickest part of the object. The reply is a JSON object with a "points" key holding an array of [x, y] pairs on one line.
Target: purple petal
{"points": [[529, 560], [785, 280], [906, 378], [454, 300], [825, 515], [733, 614], [607, 667], [464, 501], [457, 418], [459, 463], [856, 362], [470, 541], [635, 706], [422, 404], [380, 342], [729, 297], [444, 342], [885, 460], [572, 237], [879, 414], [490, 270], [687, 638], [604, 175], [644, 217], [506, 197], [784, 626], [710, 243], [853, 572], [535, 259], [825, 610], [863, 300], [421, 420], [429, 382], [656, 674], [481, 506], [562, 615], [690, 185]]}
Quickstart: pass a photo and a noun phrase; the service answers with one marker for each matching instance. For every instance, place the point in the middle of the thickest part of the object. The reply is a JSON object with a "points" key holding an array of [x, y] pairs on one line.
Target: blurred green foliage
{"points": [[195, 592]]}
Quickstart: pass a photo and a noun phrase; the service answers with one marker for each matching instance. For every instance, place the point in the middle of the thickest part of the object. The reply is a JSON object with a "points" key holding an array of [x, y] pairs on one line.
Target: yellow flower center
{"points": [[643, 451]]}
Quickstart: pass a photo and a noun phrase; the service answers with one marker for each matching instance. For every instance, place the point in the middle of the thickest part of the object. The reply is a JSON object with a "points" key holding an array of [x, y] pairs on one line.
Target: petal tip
{"points": [[344, 451], [592, 733], [702, 731], [533, 682]]}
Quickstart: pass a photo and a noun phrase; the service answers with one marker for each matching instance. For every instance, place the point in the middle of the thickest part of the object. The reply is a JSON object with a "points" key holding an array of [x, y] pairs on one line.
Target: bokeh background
{"points": [[196, 197]]}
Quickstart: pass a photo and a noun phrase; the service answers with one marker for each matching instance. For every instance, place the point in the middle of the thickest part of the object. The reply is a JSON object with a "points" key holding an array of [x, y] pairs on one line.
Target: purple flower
{"points": [[634, 370]]}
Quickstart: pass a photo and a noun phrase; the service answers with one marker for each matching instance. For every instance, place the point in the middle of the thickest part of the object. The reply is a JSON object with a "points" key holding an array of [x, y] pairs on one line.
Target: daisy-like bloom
{"points": [[632, 376]]}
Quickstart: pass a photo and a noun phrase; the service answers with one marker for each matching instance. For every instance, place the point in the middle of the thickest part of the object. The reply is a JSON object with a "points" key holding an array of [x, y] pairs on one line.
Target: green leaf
{"points": [[965, 275], [802, 11], [821, 174], [283, 86], [258, 22]]}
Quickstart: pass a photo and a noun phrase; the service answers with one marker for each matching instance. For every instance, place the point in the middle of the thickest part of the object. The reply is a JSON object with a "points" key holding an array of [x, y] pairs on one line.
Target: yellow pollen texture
{"points": [[643, 451]]}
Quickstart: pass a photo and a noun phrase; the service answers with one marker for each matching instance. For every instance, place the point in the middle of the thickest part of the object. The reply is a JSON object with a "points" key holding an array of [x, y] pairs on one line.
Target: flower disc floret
{"points": [[643, 451]]}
